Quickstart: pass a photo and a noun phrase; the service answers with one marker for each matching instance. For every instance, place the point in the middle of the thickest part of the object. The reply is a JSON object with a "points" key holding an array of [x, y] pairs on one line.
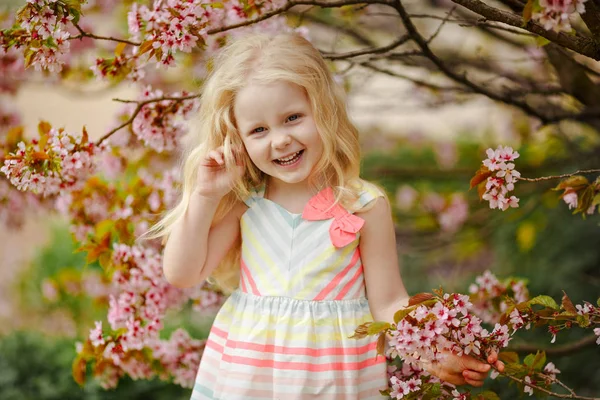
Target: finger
{"points": [[215, 156], [475, 365], [474, 375], [493, 357], [499, 366]]}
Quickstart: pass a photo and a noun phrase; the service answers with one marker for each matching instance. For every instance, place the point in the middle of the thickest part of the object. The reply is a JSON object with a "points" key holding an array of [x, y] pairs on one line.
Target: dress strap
{"points": [[369, 193]]}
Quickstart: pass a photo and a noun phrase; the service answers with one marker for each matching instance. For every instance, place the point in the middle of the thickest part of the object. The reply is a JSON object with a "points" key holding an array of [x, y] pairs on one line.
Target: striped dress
{"points": [[284, 334]]}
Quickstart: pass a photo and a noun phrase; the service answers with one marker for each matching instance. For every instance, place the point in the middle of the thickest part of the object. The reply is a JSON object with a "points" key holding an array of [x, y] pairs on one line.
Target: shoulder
{"points": [[368, 195]]}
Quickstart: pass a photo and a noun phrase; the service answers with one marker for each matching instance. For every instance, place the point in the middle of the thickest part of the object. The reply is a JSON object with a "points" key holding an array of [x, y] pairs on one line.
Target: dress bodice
{"points": [[309, 256]]}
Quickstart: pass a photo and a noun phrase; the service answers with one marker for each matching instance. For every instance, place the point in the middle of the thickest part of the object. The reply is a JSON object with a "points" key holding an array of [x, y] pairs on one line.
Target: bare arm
{"points": [[387, 294], [385, 288], [194, 248]]}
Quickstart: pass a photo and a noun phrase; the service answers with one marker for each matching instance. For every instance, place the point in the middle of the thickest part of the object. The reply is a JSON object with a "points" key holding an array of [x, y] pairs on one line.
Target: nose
{"points": [[281, 141]]}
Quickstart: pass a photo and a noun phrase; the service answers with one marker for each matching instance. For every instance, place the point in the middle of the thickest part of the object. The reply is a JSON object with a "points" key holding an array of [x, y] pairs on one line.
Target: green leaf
{"points": [[596, 199], [545, 301], [575, 182], [541, 41], [583, 320], [509, 357], [488, 395], [377, 327], [528, 361], [585, 198], [539, 361], [400, 314]]}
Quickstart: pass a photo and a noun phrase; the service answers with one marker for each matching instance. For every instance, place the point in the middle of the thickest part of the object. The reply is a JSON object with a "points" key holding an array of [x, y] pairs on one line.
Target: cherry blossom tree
{"points": [[112, 189]]}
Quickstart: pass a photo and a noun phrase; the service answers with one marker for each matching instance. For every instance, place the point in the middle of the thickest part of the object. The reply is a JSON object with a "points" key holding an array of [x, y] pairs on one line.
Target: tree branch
{"points": [[377, 50], [556, 351], [293, 3], [582, 45], [416, 36], [591, 17]]}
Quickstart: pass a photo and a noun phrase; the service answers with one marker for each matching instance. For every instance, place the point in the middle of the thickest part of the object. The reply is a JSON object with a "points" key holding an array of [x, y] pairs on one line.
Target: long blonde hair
{"points": [[265, 59]]}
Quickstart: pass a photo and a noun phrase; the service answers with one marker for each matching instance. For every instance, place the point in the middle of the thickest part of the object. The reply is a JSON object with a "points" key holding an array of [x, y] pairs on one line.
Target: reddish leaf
{"points": [[568, 304], [78, 369], [381, 344], [44, 128], [480, 176], [527, 12], [419, 298]]}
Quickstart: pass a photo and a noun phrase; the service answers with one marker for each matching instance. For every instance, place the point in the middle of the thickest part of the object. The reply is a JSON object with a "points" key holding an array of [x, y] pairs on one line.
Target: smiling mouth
{"points": [[289, 160]]}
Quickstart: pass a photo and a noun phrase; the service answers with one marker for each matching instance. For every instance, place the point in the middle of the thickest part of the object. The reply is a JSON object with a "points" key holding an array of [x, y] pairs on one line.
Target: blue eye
{"points": [[258, 130], [293, 117]]}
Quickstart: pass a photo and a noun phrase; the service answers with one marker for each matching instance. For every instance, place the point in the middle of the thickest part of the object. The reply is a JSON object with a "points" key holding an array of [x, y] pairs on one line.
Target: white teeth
{"points": [[289, 158]]}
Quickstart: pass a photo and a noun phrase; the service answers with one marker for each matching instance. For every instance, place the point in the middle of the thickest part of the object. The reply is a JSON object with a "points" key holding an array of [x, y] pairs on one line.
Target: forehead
{"points": [[258, 99]]}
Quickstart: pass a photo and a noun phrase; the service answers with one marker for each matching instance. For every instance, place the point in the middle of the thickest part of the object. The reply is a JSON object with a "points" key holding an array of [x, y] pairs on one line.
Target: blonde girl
{"points": [[273, 209]]}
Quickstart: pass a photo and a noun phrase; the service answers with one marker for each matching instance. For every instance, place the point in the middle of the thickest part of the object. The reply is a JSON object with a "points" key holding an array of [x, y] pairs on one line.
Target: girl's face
{"points": [[276, 125]]}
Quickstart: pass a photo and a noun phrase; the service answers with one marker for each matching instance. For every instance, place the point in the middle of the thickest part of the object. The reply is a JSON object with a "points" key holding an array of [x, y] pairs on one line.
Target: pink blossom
{"points": [[528, 389], [570, 197], [555, 14], [96, 336], [502, 179]]}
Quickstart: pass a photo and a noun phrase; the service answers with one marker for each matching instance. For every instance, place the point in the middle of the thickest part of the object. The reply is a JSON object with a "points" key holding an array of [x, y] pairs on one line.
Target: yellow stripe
{"points": [[327, 273], [299, 336], [262, 276]]}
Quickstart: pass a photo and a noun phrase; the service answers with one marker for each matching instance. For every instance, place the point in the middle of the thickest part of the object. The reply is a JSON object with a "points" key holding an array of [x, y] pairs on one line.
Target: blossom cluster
{"points": [[136, 314], [55, 163], [158, 124], [491, 298], [502, 179], [555, 14], [429, 331], [42, 33]]}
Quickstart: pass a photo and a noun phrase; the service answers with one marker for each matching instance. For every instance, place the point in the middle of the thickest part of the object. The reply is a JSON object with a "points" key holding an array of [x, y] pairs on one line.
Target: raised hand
{"points": [[213, 179]]}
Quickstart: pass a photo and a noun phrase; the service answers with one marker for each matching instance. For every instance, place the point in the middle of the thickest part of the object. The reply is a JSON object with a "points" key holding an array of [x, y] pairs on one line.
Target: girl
{"points": [[273, 202]]}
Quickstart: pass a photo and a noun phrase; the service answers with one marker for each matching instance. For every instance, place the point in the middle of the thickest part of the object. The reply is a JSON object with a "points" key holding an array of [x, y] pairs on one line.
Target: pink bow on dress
{"points": [[345, 226]]}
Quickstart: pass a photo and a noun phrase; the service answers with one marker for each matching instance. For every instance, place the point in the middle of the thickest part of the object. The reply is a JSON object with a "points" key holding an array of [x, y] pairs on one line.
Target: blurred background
{"points": [[424, 134]]}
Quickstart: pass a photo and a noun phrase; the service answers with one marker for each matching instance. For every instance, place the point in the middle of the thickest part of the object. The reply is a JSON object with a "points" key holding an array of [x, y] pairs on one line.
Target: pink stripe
{"points": [[243, 284], [299, 351], [336, 280], [309, 380], [246, 272], [346, 288], [303, 366]]}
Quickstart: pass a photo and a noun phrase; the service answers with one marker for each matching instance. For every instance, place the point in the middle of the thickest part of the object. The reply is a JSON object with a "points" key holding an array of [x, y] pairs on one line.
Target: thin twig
{"points": [[441, 25], [462, 79], [377, 50], [83, 34], [547, 178], [140, 105]]}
